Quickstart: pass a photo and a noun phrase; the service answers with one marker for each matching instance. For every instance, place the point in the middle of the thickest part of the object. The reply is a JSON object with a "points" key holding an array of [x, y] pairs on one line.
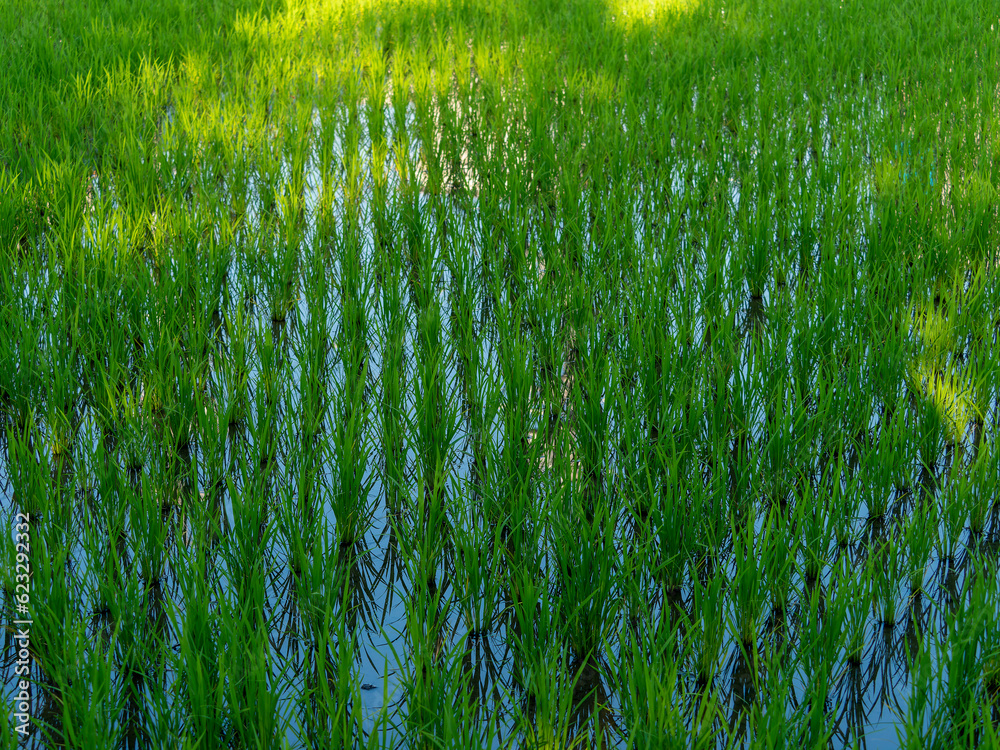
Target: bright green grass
{"points": [[528, 373]]}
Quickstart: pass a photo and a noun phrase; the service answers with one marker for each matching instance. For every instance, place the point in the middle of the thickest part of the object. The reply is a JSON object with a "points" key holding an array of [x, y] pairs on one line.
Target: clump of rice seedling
{"points": [[919, 538], [748, 594], [708, 626], [585, 573], [884, 569]]}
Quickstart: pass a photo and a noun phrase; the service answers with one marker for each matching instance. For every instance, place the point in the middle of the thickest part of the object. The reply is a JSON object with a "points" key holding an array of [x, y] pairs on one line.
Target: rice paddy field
{"points": [[500, 374]]}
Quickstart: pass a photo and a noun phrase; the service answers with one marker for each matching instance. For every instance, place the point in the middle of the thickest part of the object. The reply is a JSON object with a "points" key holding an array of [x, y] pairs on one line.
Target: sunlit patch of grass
{"points": [[948, 395], [629, 13], [948, 385]]}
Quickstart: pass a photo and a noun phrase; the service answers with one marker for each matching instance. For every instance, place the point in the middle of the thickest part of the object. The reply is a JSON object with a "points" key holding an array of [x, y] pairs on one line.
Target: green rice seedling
{"points": [[708, 626], [180, 423], [8, 578], [57, 638], [280, 266], [805, 353], [252, 701], [779, 550], [519, 456], [744, 400], [108, 532], [89, 708], [977, 501], [769, 722], [950, 512], [756, 229], [586, 577], [533, 623], [266, 419], [957, 714], [592, 381], [858, 418], [393, 387], [670, 523], [427, 655], [298, 517], [423, 534], [633, 471], [854, 589], [919, 536], [353, 481], [817, 535], [242, 551], [437, 418], [654, 705], [885, 571], [639, 587], [454, 718], [914, 730], [202, 680], [747, 591], [460, 264], [476, 561], [109, 395], [845, 506], [483, 409], [147, 522], [821, 639], [981, 368], [991, 660], [354, 286], [929, 427], [652, 382], [161, 362], [135, 623], [713, 501], [243, 656], [333, 695], [9, 737], [544, 716], [384, 215], [779, 448], [61, 399], [209, 464], [893, 462], [888, 367], [31, 472], [290, 200]]}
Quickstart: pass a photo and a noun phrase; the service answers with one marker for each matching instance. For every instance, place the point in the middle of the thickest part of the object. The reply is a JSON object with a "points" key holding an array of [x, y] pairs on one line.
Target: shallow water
{"points": [[865, 700]]}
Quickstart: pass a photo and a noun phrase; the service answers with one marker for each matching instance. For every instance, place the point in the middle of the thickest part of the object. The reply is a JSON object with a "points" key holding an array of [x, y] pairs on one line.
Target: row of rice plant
{"points": [[587, 373]]}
